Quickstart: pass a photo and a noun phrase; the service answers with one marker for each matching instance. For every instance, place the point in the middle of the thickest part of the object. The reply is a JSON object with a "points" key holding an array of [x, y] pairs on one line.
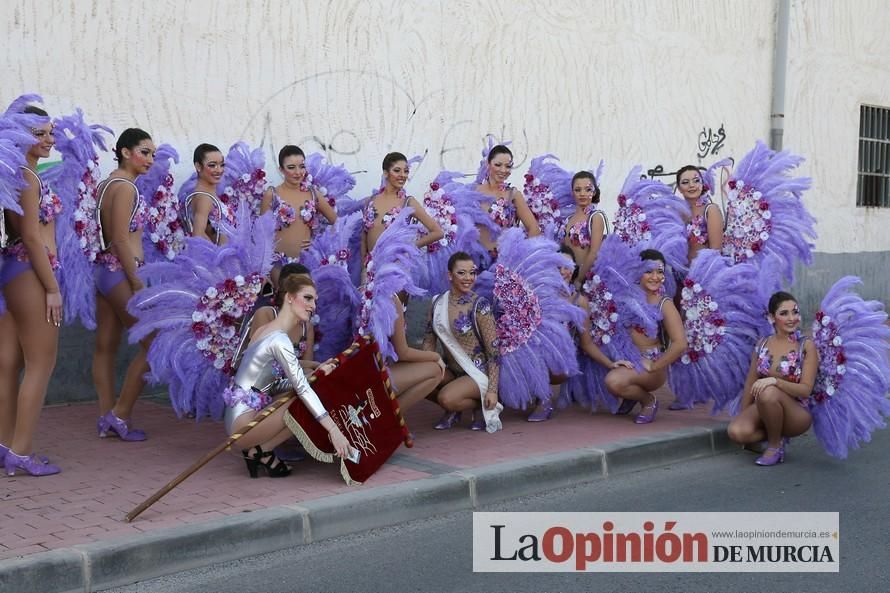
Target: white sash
{"points": [[442, 329]]}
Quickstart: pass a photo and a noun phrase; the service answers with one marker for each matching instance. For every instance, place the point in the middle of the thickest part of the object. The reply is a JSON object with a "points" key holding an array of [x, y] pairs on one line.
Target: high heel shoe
{"points": [[30, 463], [275, 468], [772, 456], [4, 450], [543, 412], [478, 422], [110, 425], [627, 405], [649, 418], [448, 421]]}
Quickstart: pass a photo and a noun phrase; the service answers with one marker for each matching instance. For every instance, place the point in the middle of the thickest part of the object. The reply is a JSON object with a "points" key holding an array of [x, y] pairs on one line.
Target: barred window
{"points": [[873, 188]]}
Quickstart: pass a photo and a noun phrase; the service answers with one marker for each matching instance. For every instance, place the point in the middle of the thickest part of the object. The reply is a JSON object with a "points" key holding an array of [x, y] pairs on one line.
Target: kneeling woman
{"points": [[780, 380], [464, 324], [657, 352], [253, 385]]}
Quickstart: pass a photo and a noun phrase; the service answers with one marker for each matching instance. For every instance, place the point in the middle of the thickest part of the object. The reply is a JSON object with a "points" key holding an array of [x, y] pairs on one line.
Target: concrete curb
{"points": [[114, 563]]}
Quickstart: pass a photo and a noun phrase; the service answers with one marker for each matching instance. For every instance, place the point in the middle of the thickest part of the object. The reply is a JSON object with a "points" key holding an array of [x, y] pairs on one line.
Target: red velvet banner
{"points": [[359, 398]]}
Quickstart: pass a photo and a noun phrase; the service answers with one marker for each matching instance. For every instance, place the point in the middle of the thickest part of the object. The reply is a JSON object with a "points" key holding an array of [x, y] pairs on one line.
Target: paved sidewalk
{"points": [[103, 479]]}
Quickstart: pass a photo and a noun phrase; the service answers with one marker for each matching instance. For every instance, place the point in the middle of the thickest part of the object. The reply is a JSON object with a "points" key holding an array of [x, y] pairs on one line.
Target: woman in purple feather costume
{"points": [[120, 217], [29, 329], [781, 376], [583, 232], [653, 351], [202, 209], [494, 204], [297, 207], [704, 225], [463, 324], [383, 208]]}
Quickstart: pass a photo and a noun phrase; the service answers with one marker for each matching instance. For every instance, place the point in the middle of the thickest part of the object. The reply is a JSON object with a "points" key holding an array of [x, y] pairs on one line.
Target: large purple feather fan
{"points": [[617, 303], [709, 176], [244, 179], [390, 270], [333, 181], [532, 318], [164, 234], [12, 159], [650, 214], [588, 387], [765, 214], [470, 217], [724, 317], [338, 300], [439, 204], [195, 306], [77, 175], [849, 399]]}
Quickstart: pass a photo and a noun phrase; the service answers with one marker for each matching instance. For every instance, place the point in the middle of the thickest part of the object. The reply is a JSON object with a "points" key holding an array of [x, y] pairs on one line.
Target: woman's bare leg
{"points": [[108, 337], [781, 415], [26, 301], [747, 428], [11, 362], [134, 381], [460, 394], [415, 381]]}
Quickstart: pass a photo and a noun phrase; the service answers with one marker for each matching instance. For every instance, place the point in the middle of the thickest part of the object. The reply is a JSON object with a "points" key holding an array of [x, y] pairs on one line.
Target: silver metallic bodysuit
{"points": [[259, 373]]}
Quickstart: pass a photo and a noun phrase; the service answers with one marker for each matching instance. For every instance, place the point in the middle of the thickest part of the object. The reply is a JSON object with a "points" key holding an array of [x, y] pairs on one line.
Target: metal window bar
{"points": [[873, 184]]}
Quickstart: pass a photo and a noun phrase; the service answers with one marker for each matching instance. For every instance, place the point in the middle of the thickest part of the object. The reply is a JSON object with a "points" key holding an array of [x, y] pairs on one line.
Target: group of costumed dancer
{"points": [[538, 299]]}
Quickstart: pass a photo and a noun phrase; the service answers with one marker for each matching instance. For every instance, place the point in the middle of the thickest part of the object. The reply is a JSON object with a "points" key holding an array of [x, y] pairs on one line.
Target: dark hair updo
{"points": [[496, 150], [458, 257], [35, 110], [129, 139], [289, 150], [652, 255], [777, 299], [393, 158], [590, 176], [202, 151], [682, 170]]}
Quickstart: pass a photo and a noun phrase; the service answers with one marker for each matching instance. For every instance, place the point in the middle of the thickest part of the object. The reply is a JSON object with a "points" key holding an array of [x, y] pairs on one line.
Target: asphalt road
{"points": [[436, 554]]}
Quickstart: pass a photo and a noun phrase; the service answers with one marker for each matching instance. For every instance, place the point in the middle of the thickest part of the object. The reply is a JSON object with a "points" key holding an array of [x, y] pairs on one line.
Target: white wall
{"points": [[630, 82]]}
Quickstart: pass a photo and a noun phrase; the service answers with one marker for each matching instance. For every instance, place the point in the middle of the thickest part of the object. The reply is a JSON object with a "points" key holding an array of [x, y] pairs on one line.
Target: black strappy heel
{"points": [[275, 468]]}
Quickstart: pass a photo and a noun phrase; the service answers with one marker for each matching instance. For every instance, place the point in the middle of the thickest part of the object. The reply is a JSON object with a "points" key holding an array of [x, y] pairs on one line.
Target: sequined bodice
{"points": [[790, 365], [697, 227], [369, 216]]}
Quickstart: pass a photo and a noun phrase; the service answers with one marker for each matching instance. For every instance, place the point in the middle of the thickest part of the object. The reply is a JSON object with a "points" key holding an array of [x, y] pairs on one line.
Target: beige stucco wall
{"points": [[630, 82]]}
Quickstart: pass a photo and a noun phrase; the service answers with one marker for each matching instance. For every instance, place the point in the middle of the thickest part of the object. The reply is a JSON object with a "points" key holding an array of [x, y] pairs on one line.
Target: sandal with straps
{"points": [[275, 468]]}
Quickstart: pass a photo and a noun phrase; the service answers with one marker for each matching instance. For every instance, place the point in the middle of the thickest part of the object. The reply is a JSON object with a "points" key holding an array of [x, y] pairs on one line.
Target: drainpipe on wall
{"points": [[780, 64]]}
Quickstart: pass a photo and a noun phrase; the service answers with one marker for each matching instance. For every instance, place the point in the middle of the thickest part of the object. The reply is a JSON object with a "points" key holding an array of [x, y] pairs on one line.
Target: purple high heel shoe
{"points": [[678, 405], [30, 463], [643, 417], [110, 425], [448, 421], [478, 422], [4, 450], [543, 412], [772, 456]]}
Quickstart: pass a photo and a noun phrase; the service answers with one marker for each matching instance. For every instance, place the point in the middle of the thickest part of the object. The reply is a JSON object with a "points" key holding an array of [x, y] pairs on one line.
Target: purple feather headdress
{"points": [[333, 182], [75, 179], [195, 305], [533, 318], [545, 175], [164, 234], [724, 317], [338, 300], [244, 179], [849, 399], [765, 214], [389, 271]]}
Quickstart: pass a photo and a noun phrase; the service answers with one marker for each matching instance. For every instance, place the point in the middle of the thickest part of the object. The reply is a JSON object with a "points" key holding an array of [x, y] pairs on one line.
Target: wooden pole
{"points": [[267, 411]]}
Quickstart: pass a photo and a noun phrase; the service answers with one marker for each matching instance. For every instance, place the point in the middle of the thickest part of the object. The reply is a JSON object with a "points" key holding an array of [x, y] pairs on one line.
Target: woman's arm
{"points": [[123, 199], [266, 202], [673, 324], [524, 213], [430, 342], [803, 389], [485, 321], [325, 208], [715, 228], [597, 228], [201, 207], [400, 341], [747, 395], [29, 230], [435, 231]]}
